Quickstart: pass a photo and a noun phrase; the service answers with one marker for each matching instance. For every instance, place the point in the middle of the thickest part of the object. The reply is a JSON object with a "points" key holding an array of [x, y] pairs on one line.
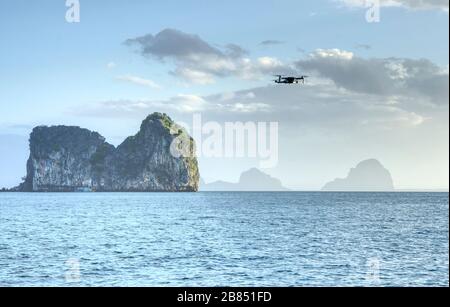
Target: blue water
{"points": [[224, 239]]}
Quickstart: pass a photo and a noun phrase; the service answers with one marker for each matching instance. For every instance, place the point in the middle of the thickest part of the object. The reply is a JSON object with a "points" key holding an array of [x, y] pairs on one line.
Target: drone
{"points": [[290, 80]]}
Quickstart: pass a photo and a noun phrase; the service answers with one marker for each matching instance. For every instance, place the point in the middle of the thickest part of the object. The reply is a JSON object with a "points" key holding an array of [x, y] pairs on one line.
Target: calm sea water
{"points": [[224, 239]]}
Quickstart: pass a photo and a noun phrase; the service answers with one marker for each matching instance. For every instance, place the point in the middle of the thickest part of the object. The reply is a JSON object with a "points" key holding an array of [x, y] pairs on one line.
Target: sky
{"points": [[376, 90]]}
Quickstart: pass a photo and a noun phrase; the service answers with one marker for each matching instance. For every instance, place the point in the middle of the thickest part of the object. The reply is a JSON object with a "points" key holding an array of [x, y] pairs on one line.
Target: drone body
{"points": [[290, 80]]}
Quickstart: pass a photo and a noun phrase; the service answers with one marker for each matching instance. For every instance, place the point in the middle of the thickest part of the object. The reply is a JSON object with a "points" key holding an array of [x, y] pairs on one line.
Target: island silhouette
{"points": [[253, 180], [367, 176]]}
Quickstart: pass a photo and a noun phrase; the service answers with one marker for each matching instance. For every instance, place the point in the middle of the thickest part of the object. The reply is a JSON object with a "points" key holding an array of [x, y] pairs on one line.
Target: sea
{"points": [[295, 239]]}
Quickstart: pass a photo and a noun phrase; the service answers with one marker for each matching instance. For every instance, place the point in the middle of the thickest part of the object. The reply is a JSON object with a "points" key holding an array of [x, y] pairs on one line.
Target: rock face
{"points": [[368, 176], [253, 181], [67, 159]]}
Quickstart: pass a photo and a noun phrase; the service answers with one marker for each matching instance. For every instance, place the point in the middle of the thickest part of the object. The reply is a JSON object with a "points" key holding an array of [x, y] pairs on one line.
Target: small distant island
{"points": [[252, 180], [367, 176], [72, 159]]}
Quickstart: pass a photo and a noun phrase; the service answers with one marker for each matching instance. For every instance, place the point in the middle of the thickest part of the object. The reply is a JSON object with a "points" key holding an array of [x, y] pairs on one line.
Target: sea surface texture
{"points": [[224, 239]]}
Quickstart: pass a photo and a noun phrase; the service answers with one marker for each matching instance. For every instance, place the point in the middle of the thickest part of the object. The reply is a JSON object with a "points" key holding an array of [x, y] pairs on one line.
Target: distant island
{"points": [[72, 159], [367, 176], [253, 180]]}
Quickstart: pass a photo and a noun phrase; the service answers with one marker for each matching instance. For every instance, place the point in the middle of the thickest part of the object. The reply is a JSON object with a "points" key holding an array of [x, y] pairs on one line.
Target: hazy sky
{"points": [[377, 90]]}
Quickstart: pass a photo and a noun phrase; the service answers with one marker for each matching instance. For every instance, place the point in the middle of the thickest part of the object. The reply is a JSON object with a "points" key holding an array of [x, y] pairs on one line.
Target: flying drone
{"points": [[290, 80]]}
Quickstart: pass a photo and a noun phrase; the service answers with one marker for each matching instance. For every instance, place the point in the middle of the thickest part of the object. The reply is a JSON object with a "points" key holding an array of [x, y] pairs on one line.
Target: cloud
{"points": [[139, 81], [320, 106], [111, 65], [411, 4], [233, 103], [123, 108], [363, 46], [271, 43], [199, 62], [345, 90], [380, 76], [193, 76], [332, 54], [172, 43], [235, 51]]}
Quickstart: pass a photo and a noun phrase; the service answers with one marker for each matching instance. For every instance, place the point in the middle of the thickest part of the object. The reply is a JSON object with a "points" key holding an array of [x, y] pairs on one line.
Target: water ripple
{"points": [[224, 239]]}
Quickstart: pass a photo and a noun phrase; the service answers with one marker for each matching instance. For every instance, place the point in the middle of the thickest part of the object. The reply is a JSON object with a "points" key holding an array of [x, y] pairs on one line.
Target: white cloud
{"points": [[139, 81], [194, 76], [250, 107], [318, 106], [269, 63], [411, 4], [332, 53], [250, 95], [227, 96], [111, 65], [188, 103]]}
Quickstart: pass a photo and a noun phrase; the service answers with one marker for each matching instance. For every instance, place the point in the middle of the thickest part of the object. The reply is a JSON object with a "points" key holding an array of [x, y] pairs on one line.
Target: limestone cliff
{"points": [[66, 159]]}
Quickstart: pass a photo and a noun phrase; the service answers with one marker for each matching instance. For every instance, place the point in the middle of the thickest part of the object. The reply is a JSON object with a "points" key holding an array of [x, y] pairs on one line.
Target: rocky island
{"points": [[71, 159], [367, 176], [253, 180]]}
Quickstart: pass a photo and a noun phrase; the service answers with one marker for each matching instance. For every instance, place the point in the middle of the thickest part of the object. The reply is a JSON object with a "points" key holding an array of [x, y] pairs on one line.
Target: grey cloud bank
{"points": [[173, 43], [385, 77], [197, 61], [320, 105]]}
